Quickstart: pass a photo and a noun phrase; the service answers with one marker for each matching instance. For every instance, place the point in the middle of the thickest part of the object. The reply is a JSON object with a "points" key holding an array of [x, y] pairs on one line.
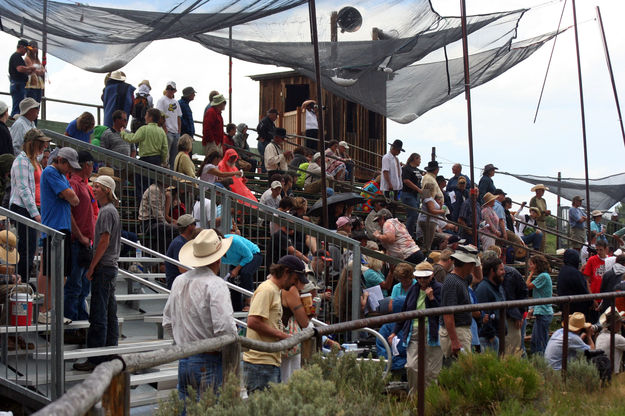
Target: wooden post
{"points": [[308, 349], [298, 124], [116, 399], [558, 221], [433, 153], [231, 359]]}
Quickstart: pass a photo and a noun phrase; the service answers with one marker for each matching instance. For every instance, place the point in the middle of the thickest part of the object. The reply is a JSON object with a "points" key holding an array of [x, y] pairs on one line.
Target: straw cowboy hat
{"points": [[8, 248], [539, 186], [596, 213], [118, 76], [488, 197], [204, 249], [423, 269], [577, 321], [105, 170], [26, 105]]}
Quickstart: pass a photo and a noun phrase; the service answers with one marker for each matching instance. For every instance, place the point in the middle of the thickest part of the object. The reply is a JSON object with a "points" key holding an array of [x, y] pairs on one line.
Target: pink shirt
{"points": [[491, 218]]}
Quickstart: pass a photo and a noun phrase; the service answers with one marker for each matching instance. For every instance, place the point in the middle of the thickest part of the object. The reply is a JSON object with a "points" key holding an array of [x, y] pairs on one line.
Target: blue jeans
{"points": [[199, 371], [535, 239], [34, 93], [411, 214], [540, 334], [76, 288], [18, 93], [261, 152], [492, 345], [258, 376], [172, 140], [103, 329], [246, 280]]}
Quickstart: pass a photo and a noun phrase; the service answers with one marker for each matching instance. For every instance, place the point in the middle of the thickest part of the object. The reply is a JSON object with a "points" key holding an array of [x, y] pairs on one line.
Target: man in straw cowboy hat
{"points": [[103, 326], [577, 220], [539, 202], [117, 95], [580, 339], [264, 322], [606, 320], [199, 308]]}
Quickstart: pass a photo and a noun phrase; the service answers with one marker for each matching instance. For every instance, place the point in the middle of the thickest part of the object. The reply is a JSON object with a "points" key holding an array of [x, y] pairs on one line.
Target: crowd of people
{"points": [[439, 263]]}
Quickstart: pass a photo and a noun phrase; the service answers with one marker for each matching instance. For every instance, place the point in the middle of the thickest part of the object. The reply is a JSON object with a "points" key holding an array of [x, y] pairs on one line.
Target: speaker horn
{"points": [[349, 19]]}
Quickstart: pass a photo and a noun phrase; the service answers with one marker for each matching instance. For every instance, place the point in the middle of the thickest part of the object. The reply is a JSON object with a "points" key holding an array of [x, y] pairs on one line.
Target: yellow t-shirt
{"points": [[266, 303]]}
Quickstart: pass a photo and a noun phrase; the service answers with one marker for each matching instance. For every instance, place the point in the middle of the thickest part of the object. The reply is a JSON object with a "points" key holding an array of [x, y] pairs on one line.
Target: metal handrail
{"points": [[82, 397]]}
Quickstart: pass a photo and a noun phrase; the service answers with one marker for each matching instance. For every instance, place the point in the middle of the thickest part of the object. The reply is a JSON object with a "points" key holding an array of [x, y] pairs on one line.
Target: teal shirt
{"points": [[543, 288], [373, 278], [398, 291]]}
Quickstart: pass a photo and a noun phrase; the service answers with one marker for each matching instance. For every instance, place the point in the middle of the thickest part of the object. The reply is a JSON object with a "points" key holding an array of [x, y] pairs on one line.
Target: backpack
{"points": [[140, 106]]}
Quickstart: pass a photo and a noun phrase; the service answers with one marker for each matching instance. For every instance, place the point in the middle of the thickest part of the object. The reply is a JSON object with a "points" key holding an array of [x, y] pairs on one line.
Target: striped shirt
{"points": [[23, 184]]}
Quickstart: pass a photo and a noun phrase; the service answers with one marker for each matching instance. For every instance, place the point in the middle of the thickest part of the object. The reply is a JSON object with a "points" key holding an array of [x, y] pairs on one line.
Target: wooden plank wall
{"points": [[273, 94]]}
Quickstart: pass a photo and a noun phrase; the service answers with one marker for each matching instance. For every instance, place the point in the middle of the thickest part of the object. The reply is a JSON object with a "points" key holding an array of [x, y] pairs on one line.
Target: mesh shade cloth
{"points": [[604, 192], [376, 63]]}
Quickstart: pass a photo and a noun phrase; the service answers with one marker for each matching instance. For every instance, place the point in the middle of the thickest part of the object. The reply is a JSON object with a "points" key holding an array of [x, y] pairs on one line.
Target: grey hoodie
{"points": [[240, 138]]}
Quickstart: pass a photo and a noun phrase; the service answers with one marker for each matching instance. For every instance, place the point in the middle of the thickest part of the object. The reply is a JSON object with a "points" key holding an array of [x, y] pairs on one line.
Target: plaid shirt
{"points": [[23, 184], [152, 205]]}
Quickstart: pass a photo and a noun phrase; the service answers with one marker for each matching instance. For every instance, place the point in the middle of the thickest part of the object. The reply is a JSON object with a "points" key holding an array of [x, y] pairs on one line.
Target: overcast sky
{"points": [[503, 110]]}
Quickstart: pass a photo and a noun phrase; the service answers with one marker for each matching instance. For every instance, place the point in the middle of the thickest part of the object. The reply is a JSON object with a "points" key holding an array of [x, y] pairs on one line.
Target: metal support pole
{"points": [[116, 399], [322, 143], [583, 116], [467, 92], [229, 77], [565, 338], [213, 208], [609, 62], [558, 222], [44, 56], [356, 288], [421, 368], [56, 253]]}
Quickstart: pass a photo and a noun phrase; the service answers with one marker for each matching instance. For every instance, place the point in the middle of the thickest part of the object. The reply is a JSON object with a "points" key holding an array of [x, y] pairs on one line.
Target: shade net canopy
{"points": [[398, 58], [604, 192]]}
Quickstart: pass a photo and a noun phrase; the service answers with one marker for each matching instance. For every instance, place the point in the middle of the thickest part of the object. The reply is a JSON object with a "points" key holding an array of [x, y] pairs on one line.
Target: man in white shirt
{"points": [[276, 159], [271, 197], [29, 111], [391, 182], [199, 308], [603, 340], [169, 106]]}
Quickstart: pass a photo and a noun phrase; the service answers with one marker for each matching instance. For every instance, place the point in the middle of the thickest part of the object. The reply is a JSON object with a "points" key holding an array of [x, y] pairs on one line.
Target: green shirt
{"points": [[152, 141], [420, 306]]}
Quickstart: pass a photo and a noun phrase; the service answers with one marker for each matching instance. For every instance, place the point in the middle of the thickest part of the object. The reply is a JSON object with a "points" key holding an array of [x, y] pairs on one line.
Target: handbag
{"points": [[85, 255], [292, 328]]}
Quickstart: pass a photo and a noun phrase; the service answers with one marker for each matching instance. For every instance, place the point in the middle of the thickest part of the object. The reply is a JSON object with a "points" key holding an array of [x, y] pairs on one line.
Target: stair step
{"points": [[140, 260], [154, 376], [40, 327], [96, 352]]}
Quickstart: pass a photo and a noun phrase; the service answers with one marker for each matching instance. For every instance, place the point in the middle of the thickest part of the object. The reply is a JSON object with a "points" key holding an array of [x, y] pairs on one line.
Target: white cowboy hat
{"points": [[118, 76], [539, 186], [204, 249]]}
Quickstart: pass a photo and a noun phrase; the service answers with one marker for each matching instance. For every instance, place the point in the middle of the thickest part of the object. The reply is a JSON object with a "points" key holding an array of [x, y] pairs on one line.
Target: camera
{"points": [[596, 328]]}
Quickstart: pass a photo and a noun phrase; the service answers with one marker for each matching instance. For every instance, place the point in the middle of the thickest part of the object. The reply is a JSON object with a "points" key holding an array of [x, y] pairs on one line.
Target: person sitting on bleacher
{"points": [[158, 225], [335, 167], [229, 164]]}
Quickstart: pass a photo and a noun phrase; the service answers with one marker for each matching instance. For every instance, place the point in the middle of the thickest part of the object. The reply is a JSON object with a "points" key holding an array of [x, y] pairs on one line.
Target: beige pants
{"points": [[433, 362], [577, 234], [514, 338], [464, 337]]}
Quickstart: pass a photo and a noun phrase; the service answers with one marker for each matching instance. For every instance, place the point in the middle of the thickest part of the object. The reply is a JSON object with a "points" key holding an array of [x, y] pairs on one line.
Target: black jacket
{"points": [[410, 304], [515, 289], [266, 129], [572, 282]]}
